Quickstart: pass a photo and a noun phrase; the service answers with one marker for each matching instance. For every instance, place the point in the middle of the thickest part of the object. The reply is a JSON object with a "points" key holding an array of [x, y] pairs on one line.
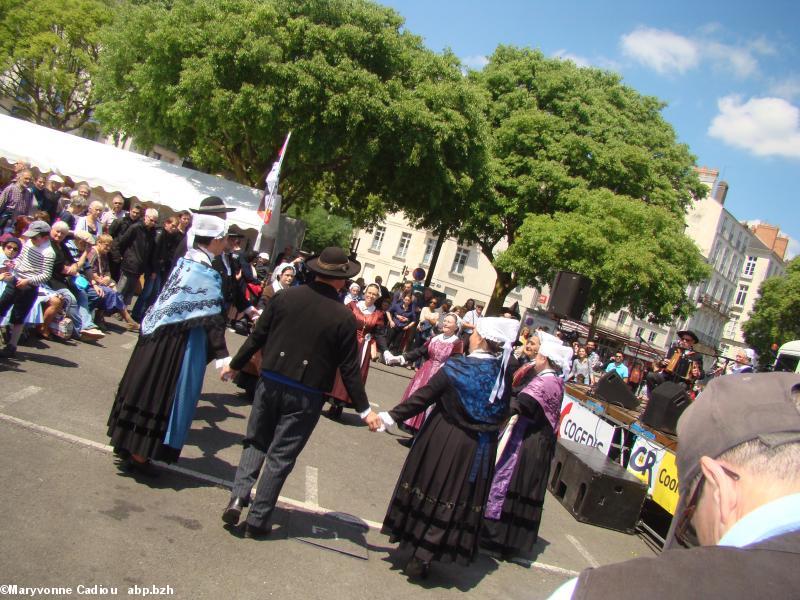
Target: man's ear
{"points": [[723, 492]]}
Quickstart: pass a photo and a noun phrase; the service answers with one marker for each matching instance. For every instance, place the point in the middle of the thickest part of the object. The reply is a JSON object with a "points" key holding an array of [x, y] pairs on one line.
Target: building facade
{"points": [[765, 258], [394, 249]]}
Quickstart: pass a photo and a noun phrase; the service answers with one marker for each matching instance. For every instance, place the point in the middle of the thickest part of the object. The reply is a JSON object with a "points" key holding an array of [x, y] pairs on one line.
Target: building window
{"points": [[622, 317], [402, 247], [730, 327], [430, 245], [460, 259], [651, 337], [742, 294], [639, 332], [377, 238], [750, 265], [713, 292]]}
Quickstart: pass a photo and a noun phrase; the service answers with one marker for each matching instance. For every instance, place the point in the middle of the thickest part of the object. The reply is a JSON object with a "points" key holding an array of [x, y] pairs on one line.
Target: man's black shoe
{"points": [[234, 510], [8, 352], [257, 533]]}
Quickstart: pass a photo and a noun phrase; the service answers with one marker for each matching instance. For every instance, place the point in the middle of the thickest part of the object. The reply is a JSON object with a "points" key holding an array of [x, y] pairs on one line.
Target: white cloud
{"points": [[739, 60], [793, 249], [763, 46], [475, 62], [661, 50], [669, 52], [789, 88], [578, 60], [763, 126]]}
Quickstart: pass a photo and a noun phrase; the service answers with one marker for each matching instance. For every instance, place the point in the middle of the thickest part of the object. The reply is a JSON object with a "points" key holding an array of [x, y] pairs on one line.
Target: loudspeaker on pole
{"points": [[569, 294]]}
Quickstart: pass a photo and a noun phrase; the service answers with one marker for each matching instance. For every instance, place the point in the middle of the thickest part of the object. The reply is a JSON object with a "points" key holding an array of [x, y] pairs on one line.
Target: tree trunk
{"points": [[504, 283], [593, 323], [435, 257]]}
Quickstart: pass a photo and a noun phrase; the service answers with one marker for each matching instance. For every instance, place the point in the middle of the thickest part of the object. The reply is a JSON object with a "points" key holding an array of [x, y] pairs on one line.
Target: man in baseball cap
{"points": [[739, 508]]}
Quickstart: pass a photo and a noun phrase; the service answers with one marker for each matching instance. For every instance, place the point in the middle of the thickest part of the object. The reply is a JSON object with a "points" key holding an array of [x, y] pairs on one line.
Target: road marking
{"points": [[584, 552], [25, 392], [288, 502], [312, 486], [545, 567]]}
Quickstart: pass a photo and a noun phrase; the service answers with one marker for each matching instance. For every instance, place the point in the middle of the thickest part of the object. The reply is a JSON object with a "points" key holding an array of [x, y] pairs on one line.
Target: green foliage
{"points": [[559, 130], [379, 122], [323, 229], [635, 254], [48, 55], [776, 314]]}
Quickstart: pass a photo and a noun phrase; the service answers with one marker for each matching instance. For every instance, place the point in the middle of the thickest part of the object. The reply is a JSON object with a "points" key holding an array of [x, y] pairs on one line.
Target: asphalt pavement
{"points": [[74, 524]]}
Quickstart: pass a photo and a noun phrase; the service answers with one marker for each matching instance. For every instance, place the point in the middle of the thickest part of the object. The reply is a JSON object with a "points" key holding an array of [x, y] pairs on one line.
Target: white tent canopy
{"points": [[133, 175]]}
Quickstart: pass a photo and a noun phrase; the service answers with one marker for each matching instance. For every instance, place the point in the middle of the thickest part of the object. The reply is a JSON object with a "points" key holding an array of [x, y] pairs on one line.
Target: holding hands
{"points": [[391, 359]]}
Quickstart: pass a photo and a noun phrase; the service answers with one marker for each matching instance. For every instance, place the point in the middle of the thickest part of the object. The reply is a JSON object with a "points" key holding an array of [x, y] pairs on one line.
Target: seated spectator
{"points": [[74, 210], [738, 512], [33, 267], [103, 295], [82, 284], [47, 306], [91, 222]]}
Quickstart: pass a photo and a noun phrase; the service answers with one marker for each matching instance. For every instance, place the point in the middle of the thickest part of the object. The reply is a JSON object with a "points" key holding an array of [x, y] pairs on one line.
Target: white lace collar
{"points": [[200, 255], [448, 340], [482, 354], [367, 310]]}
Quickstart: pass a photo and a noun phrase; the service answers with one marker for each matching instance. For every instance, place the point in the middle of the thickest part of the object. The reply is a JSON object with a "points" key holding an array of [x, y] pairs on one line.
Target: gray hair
{"points": [[152, 213], [778, 462], [59, 226]]}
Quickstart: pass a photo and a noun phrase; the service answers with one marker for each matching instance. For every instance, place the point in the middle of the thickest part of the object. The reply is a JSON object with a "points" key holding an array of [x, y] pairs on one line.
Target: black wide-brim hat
{"points": [[691, 334], [213, 205], [333, 262]]}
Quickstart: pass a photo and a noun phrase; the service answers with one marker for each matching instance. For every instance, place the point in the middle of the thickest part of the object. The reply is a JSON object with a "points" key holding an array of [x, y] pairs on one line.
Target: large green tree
{"points": [[379, 122], [776, 314], [635, 254], [559, 130], [48, 55], [323, 229]]}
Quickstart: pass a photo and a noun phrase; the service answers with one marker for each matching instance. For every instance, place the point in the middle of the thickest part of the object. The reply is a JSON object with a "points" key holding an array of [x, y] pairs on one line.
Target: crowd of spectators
{"points": [[69, 261]]}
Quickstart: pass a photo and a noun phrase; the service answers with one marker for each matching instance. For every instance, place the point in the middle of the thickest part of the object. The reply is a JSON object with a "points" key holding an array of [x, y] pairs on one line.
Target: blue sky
{"points": [[729, 72]]}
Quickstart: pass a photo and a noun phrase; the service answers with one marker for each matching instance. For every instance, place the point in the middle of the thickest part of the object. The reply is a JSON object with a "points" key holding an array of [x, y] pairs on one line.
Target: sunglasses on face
{"points": [[685, 533]]}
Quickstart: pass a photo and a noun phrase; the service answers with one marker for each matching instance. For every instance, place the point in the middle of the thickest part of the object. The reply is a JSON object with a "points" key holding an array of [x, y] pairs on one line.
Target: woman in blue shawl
{"points": [[182, 331], [438, 503]]}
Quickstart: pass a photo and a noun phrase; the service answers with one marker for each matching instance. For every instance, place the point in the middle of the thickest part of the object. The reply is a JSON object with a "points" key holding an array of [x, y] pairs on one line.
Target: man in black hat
{"points": [[738, 511], [212, 205], [305, 334], [685, 368]]}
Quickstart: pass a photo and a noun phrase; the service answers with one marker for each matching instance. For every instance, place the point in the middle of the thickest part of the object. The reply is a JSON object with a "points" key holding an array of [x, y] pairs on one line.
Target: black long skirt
{"points": [[517, 531], [435, 508], [140, 415]]}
